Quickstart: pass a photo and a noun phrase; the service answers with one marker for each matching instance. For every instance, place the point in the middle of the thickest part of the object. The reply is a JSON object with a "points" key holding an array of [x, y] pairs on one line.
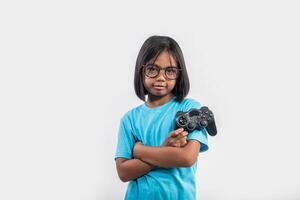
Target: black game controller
{"points": [[196, 119]]}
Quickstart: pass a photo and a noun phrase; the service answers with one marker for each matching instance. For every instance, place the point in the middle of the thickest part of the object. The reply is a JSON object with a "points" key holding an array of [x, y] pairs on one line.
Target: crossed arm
{"points": [[147, 157]]}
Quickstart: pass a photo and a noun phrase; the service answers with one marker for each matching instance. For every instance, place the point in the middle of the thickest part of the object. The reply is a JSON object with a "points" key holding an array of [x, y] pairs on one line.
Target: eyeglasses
{"points": [[153, 70]]}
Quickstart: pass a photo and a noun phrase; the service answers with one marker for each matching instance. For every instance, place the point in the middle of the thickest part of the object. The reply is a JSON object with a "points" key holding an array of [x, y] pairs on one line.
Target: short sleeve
{"points": [[199, 135], [126, 139]]}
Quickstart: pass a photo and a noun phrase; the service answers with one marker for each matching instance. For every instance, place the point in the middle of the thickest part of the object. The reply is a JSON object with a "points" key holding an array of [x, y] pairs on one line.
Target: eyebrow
{"points": [[161, 66]]}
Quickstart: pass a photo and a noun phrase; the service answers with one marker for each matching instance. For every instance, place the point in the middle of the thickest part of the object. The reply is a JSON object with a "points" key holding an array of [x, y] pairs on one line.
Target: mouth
{"points": [[159, 87]]}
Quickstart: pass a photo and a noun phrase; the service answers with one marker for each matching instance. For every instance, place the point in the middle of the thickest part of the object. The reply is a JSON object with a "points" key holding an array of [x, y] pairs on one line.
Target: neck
{"points": [[154, 101]]}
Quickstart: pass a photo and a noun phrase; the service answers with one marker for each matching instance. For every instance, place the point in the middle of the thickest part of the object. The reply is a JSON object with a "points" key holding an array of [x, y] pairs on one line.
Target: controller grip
{"points": [[212, 129]]}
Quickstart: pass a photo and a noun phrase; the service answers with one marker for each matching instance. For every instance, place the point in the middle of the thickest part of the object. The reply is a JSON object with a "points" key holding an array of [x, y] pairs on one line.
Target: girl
{"points": [[159, 162]]}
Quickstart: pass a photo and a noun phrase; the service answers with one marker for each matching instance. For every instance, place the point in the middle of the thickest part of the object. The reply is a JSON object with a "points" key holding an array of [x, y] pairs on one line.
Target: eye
{"points": [[151, 68], [171, 70]]}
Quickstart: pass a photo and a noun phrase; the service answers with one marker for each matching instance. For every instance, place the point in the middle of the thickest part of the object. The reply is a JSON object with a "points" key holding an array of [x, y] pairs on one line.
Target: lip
{"points": [[159, 87]]}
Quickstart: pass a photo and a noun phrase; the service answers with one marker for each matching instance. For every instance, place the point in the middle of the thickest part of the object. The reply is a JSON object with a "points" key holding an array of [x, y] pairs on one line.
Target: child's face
{"points": [[161, 85]]}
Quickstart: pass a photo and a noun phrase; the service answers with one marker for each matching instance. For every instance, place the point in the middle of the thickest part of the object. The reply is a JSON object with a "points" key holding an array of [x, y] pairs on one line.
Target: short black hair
{"points": [[151, 49]]}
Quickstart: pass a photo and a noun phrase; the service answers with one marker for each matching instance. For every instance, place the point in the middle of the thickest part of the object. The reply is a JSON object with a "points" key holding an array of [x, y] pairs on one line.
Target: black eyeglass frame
{"points": [[160, 68]]}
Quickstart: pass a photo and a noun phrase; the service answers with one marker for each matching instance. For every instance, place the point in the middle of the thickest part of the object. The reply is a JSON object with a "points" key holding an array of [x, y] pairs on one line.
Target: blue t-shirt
{"points": [[151, 126]]}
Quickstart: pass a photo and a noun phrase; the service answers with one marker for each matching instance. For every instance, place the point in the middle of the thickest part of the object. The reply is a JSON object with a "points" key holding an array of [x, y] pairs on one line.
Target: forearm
{"points": [[132, 169], [163, 156]]}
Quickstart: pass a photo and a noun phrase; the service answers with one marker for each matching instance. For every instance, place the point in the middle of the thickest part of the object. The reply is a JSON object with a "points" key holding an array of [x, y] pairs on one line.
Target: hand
{"points": [[176, 138], [136, 147]]}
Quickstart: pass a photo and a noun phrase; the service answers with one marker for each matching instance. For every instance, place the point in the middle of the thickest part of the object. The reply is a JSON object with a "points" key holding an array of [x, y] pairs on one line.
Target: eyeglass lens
{"points": [[152, 71]]}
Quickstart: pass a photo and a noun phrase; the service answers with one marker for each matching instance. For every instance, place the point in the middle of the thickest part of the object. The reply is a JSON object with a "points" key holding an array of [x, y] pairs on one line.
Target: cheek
{"points": [[147, 82], [172, 84]]}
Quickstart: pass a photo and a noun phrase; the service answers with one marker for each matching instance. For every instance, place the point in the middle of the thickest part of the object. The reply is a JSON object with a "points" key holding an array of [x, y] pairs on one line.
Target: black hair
{"points": [[151, 49]]}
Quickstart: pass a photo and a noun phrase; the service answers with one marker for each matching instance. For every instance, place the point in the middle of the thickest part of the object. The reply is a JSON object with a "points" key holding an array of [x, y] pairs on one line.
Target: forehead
{"points": [[165, 59]]}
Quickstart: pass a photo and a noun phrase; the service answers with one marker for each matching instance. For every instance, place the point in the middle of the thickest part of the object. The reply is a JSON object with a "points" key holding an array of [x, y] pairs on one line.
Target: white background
{"points": [[66, 78]]}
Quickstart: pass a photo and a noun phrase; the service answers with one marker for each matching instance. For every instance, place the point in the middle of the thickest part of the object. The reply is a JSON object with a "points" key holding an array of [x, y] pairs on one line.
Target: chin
{"points": [[155, 92], [159, 93]]}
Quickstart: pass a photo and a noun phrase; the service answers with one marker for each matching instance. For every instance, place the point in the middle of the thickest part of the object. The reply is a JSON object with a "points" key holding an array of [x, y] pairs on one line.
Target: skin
{"points": [[175, 151], [157, 97]]}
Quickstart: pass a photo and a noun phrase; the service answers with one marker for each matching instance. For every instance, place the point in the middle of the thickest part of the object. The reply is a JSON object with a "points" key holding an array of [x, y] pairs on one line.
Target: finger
{"points": [[183, 143], [183, 139], [184, 133], [180, 130], [174, 142], [181, 135], [176, 132], [180, 141], [177, 144]]}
